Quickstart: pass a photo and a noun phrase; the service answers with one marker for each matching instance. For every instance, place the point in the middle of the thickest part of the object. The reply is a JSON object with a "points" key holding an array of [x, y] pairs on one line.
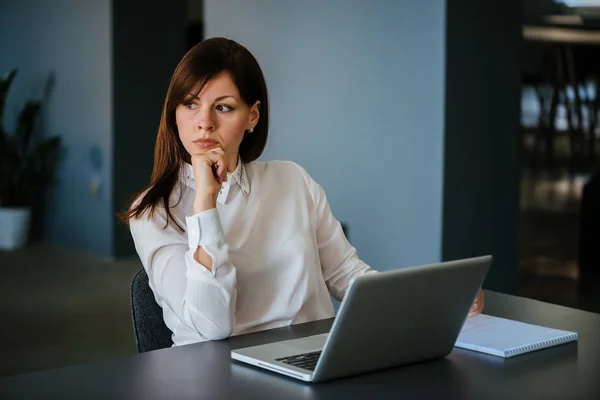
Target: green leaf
{"points": [[5, 83], [26, 124]]}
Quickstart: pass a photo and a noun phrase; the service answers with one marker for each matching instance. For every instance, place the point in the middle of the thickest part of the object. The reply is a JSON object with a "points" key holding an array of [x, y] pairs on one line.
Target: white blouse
{"points": [[276, 250]]}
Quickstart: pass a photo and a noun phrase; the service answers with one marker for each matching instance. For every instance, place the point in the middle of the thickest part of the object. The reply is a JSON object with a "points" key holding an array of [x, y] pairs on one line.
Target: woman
{"points": [[232, 245]]}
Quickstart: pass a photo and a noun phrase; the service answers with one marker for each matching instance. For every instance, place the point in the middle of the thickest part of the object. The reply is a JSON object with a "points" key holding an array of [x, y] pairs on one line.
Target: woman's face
{"points": [[217, 117]]}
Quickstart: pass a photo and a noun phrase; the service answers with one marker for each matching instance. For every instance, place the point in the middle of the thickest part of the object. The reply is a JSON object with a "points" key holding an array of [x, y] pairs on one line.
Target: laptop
{"points": [[387, 319]]}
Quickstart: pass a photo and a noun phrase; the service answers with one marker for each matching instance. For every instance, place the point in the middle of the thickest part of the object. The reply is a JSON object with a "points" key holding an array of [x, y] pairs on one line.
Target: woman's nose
{"points": [[205, 119]]}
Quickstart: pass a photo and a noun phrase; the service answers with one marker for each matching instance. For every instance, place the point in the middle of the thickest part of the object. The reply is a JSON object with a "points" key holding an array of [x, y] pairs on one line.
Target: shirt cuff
{"points": [[204, 228]]}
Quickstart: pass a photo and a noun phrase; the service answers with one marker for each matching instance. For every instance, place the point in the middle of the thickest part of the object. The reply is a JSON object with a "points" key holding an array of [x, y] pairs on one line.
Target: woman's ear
{"points": [[254, 114]]}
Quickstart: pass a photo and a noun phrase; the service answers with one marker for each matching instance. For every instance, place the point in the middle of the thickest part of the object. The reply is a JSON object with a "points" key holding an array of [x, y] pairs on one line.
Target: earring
{"points": [[250, 130]]}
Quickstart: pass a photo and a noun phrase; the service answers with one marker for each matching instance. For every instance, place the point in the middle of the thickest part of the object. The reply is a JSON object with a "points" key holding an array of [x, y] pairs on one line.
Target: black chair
{"points": [[589, 228], [149, 327]]}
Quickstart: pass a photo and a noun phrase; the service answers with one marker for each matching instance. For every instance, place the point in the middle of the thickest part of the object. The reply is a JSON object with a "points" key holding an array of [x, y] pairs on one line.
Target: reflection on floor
{"points": [[549, 230], [61, 308]]}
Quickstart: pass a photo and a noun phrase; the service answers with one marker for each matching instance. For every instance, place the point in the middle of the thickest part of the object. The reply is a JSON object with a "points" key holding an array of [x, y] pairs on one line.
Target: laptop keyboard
{"points": [[306, 361]]}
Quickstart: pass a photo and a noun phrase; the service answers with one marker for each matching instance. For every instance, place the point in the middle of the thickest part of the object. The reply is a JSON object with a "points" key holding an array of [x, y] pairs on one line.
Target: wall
{"points": [[113, 61], [70, 38], [195, 10], [357, 92], [396, 108], [148, 42], [481, 169]]}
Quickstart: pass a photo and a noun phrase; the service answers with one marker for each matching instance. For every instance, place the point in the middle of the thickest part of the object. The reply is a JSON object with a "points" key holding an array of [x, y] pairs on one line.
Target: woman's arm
{"points": [[202, 296], [339, 259]]}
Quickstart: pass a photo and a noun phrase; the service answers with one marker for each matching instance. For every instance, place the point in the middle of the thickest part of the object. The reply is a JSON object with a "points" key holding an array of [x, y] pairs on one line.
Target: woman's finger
{"points": [[217, 156], [477, 305], [480, 300], [222, 168]]}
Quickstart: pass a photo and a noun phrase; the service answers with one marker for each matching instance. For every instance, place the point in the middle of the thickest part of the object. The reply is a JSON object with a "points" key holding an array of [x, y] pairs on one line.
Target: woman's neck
{"points": [[232, 163]]}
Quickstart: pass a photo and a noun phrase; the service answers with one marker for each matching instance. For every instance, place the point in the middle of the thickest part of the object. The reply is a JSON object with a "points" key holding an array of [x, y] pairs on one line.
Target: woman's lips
{"points": [[205, 143]]}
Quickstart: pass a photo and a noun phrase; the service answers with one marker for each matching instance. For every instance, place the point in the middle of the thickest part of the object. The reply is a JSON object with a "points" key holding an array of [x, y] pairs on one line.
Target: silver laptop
{"points": [[387, 319]]}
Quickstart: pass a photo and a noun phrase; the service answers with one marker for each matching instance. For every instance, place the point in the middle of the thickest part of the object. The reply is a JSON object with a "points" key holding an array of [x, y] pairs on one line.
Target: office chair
{"points": [[149, 327], [589, 223]]}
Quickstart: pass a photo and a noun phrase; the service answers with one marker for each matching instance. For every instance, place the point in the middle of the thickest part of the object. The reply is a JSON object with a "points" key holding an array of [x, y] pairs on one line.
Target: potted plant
{"points": [[27, 164]]}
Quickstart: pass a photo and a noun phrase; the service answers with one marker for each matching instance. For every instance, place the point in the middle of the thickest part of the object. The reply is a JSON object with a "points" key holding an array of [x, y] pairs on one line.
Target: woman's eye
{"points": [[191, 106], [223, 108]]}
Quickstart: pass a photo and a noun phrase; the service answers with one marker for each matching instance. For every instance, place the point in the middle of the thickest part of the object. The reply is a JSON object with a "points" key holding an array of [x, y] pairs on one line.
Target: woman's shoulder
{"points": [[279, 169], [284, 175]]}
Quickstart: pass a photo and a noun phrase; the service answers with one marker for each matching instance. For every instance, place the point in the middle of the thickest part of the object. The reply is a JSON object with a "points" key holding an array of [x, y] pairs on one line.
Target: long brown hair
{"points": [[202, 63]]}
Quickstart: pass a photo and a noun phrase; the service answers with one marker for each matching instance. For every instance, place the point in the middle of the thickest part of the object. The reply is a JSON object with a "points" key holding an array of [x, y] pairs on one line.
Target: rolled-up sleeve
{"points": [[202, 299]]}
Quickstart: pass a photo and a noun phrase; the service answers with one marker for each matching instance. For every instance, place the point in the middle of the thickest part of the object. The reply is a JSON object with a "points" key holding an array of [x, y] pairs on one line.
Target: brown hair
{"points": [[200, 64]]}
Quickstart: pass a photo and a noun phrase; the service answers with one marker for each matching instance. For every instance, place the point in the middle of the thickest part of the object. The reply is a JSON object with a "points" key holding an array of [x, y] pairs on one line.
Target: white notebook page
{"points": [[507, 338]]}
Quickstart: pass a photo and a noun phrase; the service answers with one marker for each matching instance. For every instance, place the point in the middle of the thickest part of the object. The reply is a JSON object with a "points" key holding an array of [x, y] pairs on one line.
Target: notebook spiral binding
{"points": [[541, 345]]}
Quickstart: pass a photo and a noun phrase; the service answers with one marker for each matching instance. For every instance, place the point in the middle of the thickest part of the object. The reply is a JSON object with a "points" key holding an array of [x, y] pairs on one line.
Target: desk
{"points": [[205, 370]]}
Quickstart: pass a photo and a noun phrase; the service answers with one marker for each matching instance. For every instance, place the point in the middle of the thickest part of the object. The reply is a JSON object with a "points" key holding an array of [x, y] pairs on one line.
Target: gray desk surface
{"points": [[205, 370]]}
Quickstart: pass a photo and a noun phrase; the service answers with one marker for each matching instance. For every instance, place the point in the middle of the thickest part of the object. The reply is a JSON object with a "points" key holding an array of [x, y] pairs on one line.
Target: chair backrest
{"points": [[149, 327], [589, 225]]}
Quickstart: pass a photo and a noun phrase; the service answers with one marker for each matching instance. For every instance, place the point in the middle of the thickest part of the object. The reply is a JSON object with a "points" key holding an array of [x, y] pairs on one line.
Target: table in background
{"points": [[561, 47], [205, 370], [554, 34]]}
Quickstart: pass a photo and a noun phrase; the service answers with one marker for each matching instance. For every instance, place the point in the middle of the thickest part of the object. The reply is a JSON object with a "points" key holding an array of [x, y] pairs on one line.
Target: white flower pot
{"points": [[14, 227]]}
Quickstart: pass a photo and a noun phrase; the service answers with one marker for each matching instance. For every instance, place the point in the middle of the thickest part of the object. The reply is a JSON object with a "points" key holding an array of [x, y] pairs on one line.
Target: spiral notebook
{"points": [[507, 338]]}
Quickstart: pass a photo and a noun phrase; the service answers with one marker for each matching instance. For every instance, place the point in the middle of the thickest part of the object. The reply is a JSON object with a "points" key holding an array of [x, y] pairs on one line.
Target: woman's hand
{"points": [[477, 307], [210, 171]]}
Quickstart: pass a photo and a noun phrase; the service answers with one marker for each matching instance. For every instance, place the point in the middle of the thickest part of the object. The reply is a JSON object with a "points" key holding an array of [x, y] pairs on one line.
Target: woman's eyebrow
{"points": [[224, 97], [192, 97], [217, 99]]}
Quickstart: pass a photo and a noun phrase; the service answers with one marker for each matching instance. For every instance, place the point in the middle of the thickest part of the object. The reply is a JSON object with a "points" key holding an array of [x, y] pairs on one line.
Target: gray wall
{"points": [[398, 109], [481, 169], [112, 61], [148, 42], [72, 39], [356, 91]]}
